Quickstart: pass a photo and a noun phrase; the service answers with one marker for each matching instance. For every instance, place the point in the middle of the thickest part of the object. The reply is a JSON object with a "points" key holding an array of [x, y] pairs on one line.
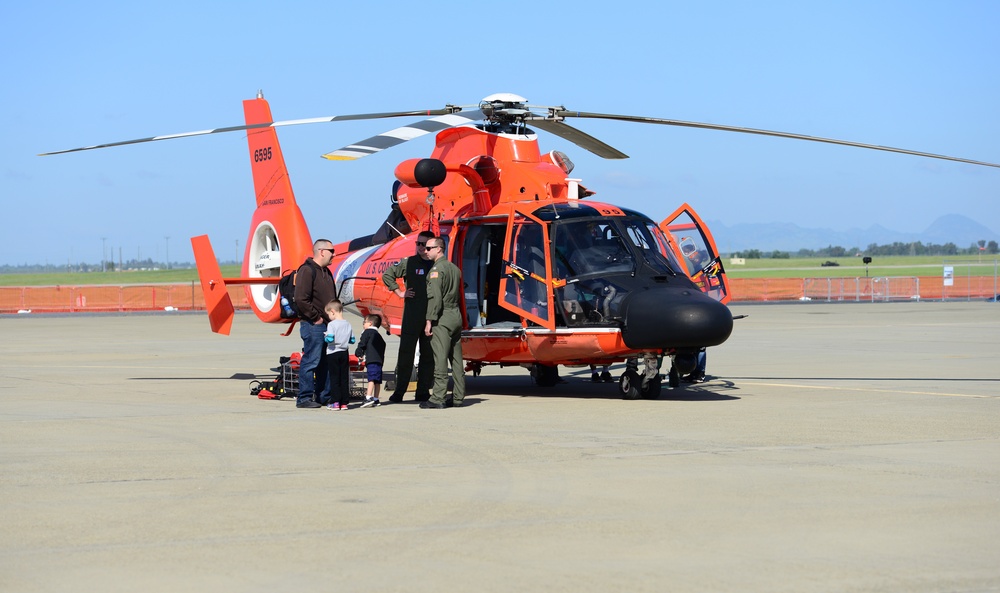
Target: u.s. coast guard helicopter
{"points": [[552, 277]]}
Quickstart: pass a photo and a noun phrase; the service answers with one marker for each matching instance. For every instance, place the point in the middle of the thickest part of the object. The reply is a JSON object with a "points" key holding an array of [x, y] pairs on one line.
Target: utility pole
{"points": [[104, 252], [168, 251]]}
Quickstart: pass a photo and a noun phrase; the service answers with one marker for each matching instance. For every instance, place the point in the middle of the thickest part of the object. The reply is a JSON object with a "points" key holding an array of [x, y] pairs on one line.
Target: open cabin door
{"points": [[526, 281], [695, 247]]}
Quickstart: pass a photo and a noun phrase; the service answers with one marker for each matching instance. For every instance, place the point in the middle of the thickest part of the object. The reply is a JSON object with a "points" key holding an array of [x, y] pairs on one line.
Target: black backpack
{"points": [[286, 292]]}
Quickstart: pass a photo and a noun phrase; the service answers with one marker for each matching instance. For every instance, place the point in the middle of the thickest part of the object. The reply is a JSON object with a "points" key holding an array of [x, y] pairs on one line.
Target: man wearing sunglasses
{"points": [[444, 325], [314, 288], [413, 271]]}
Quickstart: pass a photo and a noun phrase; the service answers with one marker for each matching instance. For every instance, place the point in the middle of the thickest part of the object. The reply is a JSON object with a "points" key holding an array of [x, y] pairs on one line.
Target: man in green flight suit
{"points": [[444, 326], [413, 271]]}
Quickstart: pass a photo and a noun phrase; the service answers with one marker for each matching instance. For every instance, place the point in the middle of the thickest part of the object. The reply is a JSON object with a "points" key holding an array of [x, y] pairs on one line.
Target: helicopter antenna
{"points": [[401, 234]]}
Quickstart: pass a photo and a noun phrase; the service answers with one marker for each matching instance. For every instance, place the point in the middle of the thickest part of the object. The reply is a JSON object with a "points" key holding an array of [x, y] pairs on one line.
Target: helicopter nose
{"points": [[674, 318]]}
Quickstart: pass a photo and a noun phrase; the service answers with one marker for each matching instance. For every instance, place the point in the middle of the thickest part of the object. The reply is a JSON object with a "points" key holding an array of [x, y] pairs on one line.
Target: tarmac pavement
{"points": [[837, 447]]}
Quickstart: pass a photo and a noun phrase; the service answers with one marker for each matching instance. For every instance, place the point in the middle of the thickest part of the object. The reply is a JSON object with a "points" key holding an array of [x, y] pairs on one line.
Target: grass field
{"points": [[113, 278], [850, 267]]}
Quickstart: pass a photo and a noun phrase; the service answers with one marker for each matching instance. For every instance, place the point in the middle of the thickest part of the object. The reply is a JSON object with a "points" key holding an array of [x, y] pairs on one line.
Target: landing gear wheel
{"points": [[652, 388], [630, 384], [673, 377]]}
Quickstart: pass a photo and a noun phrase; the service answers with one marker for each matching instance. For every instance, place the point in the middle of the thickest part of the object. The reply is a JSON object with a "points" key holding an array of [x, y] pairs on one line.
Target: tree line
{"points": [[897, 248], [108, 266]]}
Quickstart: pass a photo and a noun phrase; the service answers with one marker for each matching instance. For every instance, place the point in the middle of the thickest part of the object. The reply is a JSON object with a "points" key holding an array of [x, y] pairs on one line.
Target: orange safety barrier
{"points": [[963, 288], [153, 297], [108, 298], [766, 289], [857, 289]]}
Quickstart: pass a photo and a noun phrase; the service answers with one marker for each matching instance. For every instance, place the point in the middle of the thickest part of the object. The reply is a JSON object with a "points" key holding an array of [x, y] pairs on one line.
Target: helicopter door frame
{"points": [[694, 246], [526, 282]]}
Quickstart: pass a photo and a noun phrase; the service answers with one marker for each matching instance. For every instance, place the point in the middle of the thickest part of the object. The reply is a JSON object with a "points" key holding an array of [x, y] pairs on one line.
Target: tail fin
{"points": [[279, 237], [220, 306], [270, 176]]}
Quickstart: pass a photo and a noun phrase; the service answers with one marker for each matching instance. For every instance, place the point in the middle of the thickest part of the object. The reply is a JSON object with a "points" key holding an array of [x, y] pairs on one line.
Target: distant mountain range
{"points": [[951, 228]]}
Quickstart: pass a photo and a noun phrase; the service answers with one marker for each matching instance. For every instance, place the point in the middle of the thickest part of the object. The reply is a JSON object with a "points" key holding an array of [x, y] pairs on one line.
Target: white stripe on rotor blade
{"points": [[182, 135], [456, 119], [348, 154], [405, 133], [361, 148], [312, 120]]}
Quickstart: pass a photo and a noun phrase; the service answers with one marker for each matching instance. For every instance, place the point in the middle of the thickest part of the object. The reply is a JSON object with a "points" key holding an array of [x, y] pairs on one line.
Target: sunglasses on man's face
{"points": [[419, 244]]}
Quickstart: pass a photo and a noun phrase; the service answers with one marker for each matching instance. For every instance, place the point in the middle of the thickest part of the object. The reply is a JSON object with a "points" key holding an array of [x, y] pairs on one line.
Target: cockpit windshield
{"points": [[593, 246], [597, 262], [608, 245], [654, 246]]}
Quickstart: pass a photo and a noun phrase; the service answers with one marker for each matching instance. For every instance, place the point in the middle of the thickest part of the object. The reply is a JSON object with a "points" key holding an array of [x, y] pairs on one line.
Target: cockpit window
{"points": [[592, 246], [597, 262], [659, 255]]}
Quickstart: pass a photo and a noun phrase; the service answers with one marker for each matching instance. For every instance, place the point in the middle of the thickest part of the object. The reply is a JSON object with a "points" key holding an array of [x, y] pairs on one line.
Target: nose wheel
{"points": [[631, 387]]}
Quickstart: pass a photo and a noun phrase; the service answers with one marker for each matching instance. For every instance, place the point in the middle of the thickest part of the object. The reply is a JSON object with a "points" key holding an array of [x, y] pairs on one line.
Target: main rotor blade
{"points": [[577, 137], [402, 134], [277, 124], [690, 124]]}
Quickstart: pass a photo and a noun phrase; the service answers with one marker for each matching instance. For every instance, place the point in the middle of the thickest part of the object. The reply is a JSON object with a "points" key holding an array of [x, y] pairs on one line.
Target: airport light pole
{"points": [[168, 251], [104, 252]]}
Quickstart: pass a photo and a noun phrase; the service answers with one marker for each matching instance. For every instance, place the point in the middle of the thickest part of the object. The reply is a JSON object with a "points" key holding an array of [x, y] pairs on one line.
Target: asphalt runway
{"points": [[848, 447]]}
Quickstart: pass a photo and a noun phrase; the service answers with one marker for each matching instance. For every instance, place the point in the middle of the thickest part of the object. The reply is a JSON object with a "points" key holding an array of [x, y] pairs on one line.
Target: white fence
{"points": [[886, 288]]}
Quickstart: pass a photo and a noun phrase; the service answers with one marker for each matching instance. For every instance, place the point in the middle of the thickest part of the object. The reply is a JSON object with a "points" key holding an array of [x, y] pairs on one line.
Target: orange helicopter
{"points": [[551, 277]]}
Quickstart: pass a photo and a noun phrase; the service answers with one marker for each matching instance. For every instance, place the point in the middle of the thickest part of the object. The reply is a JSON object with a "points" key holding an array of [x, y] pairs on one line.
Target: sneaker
{"points": [[695, 377], [596, 378], [308, 404], [606, 377], [369, 403]]}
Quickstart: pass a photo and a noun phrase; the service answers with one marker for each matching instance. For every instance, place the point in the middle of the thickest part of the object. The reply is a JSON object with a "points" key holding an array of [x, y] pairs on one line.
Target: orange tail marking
{"points": [[270, 176], [220, 306]]}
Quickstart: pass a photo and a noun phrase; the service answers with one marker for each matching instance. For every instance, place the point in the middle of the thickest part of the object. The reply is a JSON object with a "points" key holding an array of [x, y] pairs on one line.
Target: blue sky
{"points": [[911, 74]]}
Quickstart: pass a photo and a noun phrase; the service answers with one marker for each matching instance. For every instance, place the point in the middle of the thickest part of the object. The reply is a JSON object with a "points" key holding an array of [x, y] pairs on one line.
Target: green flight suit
{"points": [[444, 295], [413, 271]]}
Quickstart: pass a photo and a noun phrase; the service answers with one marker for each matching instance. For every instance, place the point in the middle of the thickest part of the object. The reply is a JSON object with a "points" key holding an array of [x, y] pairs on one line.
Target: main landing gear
{"points": [[641, 378]]}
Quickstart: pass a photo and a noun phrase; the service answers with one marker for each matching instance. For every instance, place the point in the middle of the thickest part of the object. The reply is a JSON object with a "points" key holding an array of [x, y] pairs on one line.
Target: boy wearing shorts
{"points": [[371, 349]]}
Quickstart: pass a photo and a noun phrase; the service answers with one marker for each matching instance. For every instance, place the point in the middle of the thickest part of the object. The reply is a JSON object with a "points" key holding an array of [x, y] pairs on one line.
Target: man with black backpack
{"points": [[314, 288]]}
